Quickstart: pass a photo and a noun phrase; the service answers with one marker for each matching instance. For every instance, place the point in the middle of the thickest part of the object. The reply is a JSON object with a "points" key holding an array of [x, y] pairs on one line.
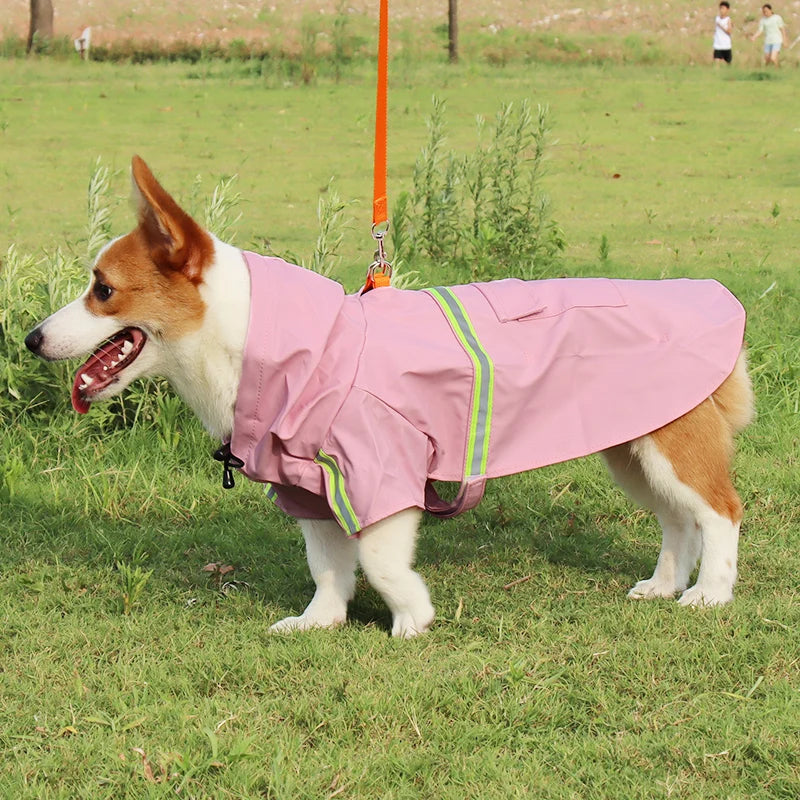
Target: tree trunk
{"points": [[41, 22], [452, 26]]}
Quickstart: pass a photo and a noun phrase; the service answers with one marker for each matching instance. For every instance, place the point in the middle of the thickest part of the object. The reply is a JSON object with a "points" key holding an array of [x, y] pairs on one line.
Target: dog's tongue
{"points": [[100, 369], [79, 403]]}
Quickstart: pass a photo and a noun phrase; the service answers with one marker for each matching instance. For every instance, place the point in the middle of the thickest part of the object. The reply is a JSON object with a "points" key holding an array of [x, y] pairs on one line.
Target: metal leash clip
{"points": [[379, 272]]}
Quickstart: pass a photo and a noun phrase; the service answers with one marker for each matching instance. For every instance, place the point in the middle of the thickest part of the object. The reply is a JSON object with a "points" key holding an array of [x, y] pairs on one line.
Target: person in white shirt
{"points": [[723, 29], [774, 30]]}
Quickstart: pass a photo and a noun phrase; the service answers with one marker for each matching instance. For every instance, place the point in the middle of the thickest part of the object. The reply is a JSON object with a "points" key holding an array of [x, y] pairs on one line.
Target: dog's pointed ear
{"points": [[175, 240]]}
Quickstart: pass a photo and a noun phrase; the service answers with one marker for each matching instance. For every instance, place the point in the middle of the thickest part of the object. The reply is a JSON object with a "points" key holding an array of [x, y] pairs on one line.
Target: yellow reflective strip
{"points": [[477, 455], [340, 502]]}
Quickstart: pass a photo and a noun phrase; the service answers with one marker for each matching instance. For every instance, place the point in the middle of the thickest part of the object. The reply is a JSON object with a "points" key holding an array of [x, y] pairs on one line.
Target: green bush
{"points": [[32, 288], [484, 214], [13, 47]]}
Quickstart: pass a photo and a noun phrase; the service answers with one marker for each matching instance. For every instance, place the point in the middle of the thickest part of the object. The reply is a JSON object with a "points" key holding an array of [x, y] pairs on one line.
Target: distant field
{"points": [[680, 30], [114, 18]]}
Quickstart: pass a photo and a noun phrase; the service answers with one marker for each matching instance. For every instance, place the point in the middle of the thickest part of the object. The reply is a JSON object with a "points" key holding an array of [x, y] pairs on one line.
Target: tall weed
{"points": [[484, 213], [438, 176], [98, 229], [221, 215], [30, 290], [333, 221]]}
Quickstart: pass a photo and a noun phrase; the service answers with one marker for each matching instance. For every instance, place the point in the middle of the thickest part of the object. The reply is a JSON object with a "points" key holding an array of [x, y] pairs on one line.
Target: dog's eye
{"points": [[102, 291]]}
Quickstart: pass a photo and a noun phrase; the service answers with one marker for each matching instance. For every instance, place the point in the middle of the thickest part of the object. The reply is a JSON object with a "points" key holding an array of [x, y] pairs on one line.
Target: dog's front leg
{"points": [[386, 552], [332, 559]]}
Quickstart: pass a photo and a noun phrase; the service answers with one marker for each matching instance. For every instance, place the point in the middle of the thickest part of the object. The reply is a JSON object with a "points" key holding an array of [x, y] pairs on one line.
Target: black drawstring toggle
{"points": [[229, 463]]}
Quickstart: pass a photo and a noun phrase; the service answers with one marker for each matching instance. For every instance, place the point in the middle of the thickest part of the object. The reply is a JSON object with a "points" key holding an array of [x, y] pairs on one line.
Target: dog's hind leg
{"points": [[680, 543], [386, 552], [686, 466], [680, 549], [693, 479], [682, 473], [332, 558]]}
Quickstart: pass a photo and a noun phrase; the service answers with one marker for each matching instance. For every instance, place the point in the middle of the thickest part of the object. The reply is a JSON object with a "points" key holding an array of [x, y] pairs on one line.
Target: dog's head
{"points": [[143, 296]]}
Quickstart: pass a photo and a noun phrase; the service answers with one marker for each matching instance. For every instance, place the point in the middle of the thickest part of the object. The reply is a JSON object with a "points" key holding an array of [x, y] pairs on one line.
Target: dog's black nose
{"points": [[33, 341]]}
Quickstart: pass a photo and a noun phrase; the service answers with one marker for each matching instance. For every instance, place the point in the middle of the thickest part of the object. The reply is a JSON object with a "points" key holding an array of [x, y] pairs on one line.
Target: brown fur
{"points": [[699, 445], [155, 270], [174, 239], [164, 297]]}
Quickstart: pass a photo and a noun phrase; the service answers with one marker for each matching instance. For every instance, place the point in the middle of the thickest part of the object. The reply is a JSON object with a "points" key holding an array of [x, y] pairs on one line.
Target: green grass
{"points": [[557, 687], [703, 157]]}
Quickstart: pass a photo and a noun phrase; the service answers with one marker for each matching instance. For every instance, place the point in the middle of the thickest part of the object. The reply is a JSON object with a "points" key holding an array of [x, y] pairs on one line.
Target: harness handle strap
{"points": [[469, 495]]}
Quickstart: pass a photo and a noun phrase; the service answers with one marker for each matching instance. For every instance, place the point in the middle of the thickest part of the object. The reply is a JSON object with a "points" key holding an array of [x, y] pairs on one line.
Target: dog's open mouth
{"points": [[103, 366]]}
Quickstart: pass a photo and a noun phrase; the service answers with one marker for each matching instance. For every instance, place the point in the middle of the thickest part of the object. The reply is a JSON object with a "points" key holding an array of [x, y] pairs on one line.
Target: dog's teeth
{"points": [[127, 347], [105, 369], [88, 380]]}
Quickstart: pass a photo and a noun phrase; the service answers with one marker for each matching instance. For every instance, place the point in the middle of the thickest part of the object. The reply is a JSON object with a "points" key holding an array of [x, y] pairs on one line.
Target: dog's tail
{"points": [[734, 398]]}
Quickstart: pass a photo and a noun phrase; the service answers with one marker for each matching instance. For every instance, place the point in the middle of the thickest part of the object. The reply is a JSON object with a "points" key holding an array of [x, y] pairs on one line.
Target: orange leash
{"points": [[380, 271], [380, 211]]}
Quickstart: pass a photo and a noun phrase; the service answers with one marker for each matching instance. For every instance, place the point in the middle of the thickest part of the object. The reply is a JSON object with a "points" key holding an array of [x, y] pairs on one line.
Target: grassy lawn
{"points": [[556, 687]]}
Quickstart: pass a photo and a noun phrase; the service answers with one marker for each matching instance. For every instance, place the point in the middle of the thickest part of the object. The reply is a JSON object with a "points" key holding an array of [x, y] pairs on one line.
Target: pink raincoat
{"points": [[350, 405]]}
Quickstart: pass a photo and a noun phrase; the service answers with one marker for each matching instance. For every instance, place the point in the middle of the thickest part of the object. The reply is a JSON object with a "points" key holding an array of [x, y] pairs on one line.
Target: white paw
{"points": [[645, 590], [305, 623], [406, 625], [699, 596]]}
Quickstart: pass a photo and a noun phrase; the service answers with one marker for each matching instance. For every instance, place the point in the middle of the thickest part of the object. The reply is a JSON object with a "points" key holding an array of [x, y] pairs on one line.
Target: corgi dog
{"points": [[350, 406]]}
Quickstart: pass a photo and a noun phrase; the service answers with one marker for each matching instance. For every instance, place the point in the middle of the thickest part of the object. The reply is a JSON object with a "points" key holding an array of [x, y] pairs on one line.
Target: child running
{"points": [[774, 30]]}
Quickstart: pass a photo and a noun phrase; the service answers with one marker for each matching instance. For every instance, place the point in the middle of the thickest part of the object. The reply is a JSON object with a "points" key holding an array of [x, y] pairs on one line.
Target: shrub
{"points": [[29, 291], [485, 214], [33, 288]]}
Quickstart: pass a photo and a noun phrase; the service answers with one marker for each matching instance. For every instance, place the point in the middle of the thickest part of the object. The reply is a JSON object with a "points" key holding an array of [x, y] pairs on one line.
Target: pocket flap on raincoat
{"points": [[517, 300]]}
